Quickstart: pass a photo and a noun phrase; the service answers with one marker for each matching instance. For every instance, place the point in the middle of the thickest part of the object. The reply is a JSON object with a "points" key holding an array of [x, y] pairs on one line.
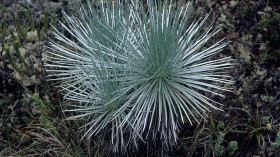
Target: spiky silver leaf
{"points": [[138, 70]]}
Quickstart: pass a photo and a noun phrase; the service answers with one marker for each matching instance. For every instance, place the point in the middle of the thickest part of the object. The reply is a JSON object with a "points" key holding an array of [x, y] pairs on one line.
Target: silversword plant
{"points": [[136, 71]]}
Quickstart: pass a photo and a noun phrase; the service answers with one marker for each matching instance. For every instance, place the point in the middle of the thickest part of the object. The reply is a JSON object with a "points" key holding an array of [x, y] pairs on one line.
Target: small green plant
{"points": [[27, 127], [44, 111], [136, 70], [211, 137], [221, 150], [276, 144], [20, 29], [278, 138], [11, 60], [15, 46], [267, 99], [231, 148]]}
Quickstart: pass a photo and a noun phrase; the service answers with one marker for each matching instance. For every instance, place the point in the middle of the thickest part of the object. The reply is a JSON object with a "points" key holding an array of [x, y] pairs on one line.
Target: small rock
{"points": [[55, 6], [225, 6], [31, 36], [233, 4], [223, 18], [22, 51], [34, 80], [268, 9], [37, 67]]}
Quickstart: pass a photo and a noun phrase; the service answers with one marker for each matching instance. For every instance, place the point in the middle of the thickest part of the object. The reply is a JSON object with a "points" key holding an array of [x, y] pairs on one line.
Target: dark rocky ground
{"points": [[31, 122]]}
